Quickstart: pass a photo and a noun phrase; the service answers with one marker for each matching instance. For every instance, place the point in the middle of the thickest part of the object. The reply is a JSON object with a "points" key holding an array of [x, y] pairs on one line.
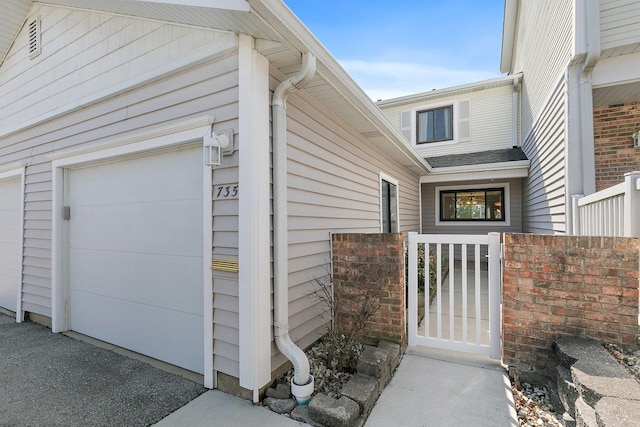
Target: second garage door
{"points": [[10, 242], [135, 254]]}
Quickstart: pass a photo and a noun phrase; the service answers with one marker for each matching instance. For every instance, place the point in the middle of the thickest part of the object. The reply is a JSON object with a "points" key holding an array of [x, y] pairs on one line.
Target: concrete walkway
{"points": [[430, 388], [443, 388]]}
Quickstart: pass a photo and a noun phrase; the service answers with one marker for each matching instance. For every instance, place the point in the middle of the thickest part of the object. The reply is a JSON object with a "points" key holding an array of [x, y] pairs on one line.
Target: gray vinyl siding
{"points": [[334, 187], [429, 214], [208, 88], [543, 191]]}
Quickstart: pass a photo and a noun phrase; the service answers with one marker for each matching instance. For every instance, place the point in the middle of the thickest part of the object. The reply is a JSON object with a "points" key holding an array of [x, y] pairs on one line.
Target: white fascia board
{"points": [[450, 91], [508, 34], [616, 70], [518, 169], [233, 5], [295, 35]]}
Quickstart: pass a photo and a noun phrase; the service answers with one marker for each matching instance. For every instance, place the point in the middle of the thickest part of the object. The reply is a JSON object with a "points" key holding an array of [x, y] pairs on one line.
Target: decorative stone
{"points": [[374, 362], [280, 406], [330, 412], [282, 391], [362, 389]]}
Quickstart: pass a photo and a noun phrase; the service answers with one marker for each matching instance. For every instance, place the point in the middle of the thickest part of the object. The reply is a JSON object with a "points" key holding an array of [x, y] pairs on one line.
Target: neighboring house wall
{"points": [[430, 215], [615, 154], [619, 26], [334, 187], [490, 119], [208, 88], [543, 48]]}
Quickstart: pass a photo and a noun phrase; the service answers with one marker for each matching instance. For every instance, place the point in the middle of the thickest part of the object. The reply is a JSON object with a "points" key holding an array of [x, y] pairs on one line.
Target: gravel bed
{"points": [[534, 406], [328, 380]]}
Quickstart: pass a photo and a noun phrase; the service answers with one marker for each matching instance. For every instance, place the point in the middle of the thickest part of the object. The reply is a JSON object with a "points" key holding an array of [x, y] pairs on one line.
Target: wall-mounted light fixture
{"points": [[636, 139], [217, 145]]}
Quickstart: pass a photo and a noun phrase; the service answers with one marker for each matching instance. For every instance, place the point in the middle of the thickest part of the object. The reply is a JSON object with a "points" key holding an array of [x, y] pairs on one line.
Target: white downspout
{"points": [[302, 382], [593, 48]]}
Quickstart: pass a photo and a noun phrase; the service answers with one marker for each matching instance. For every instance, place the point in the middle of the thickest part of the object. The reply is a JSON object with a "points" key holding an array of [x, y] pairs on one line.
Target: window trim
{"points": [[426, 107], [475, 223], [384, 177], [435, 141]]}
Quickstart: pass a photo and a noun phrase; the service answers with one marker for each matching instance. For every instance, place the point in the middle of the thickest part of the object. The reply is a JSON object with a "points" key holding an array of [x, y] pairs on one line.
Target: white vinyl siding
{"points": [[543, 45], [207, 88], [620, 26], [86, 53], [543, 194], [488, 124], [225, 284], [430, 215], [334, 187]]}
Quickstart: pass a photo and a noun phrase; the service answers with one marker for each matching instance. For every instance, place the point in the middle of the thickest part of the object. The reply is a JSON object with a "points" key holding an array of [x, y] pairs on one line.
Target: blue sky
{"points": [[408, 46]]}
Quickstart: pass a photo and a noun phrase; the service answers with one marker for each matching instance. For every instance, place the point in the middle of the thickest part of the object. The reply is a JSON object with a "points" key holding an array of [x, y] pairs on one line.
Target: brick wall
{"points": [[566, 285], [613, 145], [371, 266]]}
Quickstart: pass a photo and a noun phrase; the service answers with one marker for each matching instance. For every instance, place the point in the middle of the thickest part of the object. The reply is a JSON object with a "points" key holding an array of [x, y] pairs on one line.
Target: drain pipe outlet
{"points": [[302, 382]]}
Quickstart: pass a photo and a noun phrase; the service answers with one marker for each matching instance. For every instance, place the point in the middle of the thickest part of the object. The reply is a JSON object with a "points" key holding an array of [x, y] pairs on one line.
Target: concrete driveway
{"points": [[54, 380]]}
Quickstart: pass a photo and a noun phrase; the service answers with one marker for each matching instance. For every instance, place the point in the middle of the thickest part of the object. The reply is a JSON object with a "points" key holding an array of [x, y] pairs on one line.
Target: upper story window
{"points": [[434, 125], [443, 123]]}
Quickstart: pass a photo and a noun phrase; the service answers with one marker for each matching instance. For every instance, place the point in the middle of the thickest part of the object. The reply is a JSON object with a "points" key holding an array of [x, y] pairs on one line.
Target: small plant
{"points": [[421, 266], [346, 317]]}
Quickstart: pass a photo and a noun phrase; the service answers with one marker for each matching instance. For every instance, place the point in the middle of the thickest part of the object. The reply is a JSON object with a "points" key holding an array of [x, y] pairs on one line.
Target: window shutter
{"points": [[464, 121], [34, 37], [405, 124]]}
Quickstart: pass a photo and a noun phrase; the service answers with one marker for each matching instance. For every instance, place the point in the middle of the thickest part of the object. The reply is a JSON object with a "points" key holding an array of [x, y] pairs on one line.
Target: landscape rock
{"points": [[301, 413], [280, 406], [362, 389], [332, 412], [374, 362], [281, 391]]}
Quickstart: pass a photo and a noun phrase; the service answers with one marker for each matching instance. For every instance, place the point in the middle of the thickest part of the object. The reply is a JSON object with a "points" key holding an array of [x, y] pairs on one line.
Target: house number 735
{"points": [[225, 192]]}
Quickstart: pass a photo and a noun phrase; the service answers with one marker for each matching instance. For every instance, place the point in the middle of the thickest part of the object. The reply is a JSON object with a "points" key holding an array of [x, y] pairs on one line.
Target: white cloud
{"points": [[385, 80]]}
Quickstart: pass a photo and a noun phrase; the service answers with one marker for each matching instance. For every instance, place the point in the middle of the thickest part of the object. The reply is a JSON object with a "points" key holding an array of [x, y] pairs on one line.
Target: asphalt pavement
{"points": [[49, 379]]}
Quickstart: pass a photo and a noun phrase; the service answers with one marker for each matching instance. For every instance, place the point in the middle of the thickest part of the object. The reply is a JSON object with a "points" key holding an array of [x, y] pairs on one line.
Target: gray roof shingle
{"points": [[483, 157]]}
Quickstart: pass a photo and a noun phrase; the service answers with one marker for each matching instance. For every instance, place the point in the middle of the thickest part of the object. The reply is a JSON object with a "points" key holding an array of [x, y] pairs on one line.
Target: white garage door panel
{"points": [[10, 242], [135, 255], [147, 329], [169, 228], [90, 187], [175, 282]]}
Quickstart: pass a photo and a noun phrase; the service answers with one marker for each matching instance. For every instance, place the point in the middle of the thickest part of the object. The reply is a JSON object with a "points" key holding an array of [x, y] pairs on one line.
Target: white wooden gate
{"points": [[462, 312]]}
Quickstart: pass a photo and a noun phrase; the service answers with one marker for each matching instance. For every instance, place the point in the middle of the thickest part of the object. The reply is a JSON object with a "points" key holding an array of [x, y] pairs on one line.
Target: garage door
{"points": [[135, 255], [10, 242]]}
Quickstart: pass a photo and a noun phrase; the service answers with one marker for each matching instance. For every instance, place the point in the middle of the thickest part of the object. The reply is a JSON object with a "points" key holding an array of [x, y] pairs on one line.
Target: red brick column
{"points": [[614, 152], [566, 285], [372, 266]]}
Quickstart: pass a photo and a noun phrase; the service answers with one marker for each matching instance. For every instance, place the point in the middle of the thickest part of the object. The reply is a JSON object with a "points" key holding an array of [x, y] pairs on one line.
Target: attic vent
{"points": [[464, 120], [34, 37]]}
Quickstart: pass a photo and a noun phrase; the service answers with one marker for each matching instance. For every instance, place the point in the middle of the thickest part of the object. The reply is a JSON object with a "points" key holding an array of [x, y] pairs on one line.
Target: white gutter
{"points": [[302, 383]]}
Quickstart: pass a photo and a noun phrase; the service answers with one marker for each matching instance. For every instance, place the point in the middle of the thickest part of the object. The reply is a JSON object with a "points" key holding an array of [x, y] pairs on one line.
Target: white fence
{"points": [[614, 211], [465, 313]]}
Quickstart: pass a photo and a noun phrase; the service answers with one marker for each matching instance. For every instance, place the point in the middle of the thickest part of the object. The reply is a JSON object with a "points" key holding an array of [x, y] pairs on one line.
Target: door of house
{"points": [[454, 292]]}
